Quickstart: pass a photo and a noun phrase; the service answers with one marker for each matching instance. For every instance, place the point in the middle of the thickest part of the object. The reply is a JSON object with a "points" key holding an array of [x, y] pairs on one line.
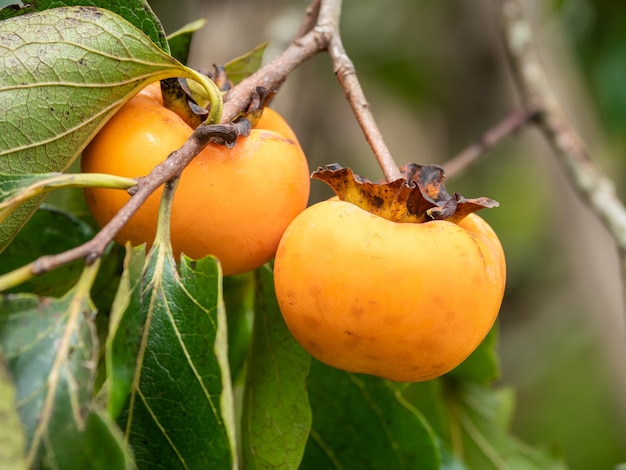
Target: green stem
{"points": [[70, 180], [25, 273], [162, 237], [16, 277], [213, 94]]}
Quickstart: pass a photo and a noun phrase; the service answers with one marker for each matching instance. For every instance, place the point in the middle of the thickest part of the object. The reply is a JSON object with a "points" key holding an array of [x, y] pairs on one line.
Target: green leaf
{"points": [[245, 65], [482, 365], [49, 231], [480, 416], [51, 350], [125, 327], [276, 414], [102, 446], [239, 293], [172, 335], [136, 12], [12, 439], [64, 72], [472, 420], [180, 41], [362, 421], [449, 461]]}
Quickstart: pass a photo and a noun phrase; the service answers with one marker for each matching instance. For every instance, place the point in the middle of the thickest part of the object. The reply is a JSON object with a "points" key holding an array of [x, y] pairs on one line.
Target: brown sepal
{"points": [[220, 77], [258, 101], [419, 197], [177, 98]]}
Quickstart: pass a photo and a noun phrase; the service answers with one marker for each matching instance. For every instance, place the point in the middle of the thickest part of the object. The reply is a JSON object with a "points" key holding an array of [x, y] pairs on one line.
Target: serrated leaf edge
{"points": [[163, 254]]}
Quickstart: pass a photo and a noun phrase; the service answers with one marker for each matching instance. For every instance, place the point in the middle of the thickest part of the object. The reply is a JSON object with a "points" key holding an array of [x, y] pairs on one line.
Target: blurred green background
{"points": [[436, 78]]}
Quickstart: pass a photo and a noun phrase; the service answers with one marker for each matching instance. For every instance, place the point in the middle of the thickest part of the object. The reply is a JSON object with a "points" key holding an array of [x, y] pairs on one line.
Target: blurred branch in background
{"points": [[595, 188], [515, 121]]}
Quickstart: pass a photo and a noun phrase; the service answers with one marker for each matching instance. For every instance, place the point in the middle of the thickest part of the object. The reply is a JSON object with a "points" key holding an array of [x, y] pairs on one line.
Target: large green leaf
{"points": [[362, 421], [472, 420], [168, 363], [51, 349], [136, 12], [63, 73], [276, 415], [481, 417]]}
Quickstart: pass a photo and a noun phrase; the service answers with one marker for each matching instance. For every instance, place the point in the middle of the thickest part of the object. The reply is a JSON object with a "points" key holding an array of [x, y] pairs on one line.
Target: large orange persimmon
{"points": [[232, 203], [400, 300]]}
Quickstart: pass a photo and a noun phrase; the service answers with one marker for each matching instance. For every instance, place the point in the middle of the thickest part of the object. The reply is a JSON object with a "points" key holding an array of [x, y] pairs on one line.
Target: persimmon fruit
{"points": [[233, 203], [403, 301]]}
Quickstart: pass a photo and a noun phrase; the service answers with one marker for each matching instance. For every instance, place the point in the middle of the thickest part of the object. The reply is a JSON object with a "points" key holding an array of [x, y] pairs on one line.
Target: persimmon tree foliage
{"points": [[118, 356]]}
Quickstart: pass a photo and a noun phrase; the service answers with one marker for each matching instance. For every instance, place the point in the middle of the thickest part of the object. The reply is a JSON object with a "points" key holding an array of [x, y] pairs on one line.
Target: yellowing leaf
{"points": [[51, 349]]}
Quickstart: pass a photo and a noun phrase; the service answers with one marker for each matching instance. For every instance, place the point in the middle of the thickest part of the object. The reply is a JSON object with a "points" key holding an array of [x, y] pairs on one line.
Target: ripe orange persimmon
{"points": [[403, 301], [232, 203]]}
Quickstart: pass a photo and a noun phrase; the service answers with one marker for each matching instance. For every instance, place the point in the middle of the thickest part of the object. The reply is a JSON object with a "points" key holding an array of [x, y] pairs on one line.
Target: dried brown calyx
{"points": [[419, 197]]}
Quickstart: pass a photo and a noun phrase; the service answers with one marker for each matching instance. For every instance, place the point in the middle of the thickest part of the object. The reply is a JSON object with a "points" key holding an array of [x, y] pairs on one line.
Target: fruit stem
{"points": [[345, 72], [162, 238], [213, 95]]}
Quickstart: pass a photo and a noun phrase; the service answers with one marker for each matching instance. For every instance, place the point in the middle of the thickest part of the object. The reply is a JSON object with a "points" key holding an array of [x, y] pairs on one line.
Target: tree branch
{"points": [[319, 32], [274, 73], [509, 125], [593, 186]]}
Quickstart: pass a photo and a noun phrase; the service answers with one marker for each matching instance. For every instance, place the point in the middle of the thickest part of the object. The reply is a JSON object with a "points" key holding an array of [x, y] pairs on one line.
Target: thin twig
{"points": [[509, 125], [592, 185], [310, 18], [346, 75], [273, 74]]}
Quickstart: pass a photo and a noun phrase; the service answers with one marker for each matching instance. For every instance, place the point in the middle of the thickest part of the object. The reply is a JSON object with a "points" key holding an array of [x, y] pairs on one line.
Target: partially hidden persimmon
{"points": [[233, 203], [406, 301]]}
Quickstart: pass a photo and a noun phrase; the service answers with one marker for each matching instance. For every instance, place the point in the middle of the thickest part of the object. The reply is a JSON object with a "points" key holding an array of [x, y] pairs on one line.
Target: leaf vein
{"points": [[199, 378], [161, 428]]}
